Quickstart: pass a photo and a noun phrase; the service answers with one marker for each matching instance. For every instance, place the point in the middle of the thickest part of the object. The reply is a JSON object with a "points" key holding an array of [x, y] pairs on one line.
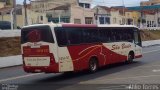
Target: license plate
{"points": [[37, 61]]}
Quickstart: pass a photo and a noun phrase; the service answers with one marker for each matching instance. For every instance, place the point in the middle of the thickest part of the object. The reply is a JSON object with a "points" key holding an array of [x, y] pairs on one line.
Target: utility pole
{"points": [[96, 15], [156, 17], [141, 19], [11, 14], [14, 15], [25, 11], [124, 17]]}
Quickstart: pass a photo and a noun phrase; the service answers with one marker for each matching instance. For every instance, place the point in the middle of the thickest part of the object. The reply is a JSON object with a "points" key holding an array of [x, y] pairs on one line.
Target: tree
{"points": [[2, 0], [8, 2]]}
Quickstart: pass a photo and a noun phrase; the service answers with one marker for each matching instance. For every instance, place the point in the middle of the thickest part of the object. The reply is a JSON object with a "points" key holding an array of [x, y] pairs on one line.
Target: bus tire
{"points": [[93, 65], [130, 57]]}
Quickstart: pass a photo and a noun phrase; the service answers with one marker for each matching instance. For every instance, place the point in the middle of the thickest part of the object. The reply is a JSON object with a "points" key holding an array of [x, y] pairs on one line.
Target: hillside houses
{"points": [[116, 15], [60, 11]]}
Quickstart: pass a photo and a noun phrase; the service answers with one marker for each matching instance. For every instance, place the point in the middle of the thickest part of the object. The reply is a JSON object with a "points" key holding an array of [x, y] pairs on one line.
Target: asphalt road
{"points": [[120, 76]]}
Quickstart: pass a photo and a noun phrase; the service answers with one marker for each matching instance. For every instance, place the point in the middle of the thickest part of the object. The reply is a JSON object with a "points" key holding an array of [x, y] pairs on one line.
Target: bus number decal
{"points": [[64, 58]]}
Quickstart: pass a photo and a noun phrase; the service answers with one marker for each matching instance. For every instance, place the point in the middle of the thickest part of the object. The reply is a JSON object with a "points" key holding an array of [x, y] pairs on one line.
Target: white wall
{"points": [[150, 18], [115, 14], [80, 13], [10, 33]]}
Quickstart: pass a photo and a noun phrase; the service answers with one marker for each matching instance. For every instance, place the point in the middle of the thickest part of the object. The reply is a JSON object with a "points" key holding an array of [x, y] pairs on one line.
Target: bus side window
{"points": [[108, 35], [118, 34], [90, 35], [86, 36], [104, 35], [122, 35], [74, 36], [127, 35], [113, 35], [61, 36]]}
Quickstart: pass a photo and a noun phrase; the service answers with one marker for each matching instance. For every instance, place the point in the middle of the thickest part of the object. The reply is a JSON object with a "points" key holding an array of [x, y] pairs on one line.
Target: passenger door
{"points": [[64, 58], [138, 43]]}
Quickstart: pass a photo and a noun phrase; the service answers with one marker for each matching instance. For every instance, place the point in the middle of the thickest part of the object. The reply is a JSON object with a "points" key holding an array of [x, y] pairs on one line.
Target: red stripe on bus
{"points": [[105, 56]]}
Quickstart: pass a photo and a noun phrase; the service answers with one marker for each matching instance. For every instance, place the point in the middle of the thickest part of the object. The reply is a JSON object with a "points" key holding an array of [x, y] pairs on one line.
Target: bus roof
{"points": [[80, 25], [116, 25], [94, 25]]}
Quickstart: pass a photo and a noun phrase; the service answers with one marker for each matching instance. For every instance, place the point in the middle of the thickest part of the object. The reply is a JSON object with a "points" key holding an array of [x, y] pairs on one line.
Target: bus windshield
{"points": [[37, 34]]}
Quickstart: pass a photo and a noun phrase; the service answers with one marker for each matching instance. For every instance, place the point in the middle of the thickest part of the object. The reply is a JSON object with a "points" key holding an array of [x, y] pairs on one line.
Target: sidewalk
{"points": [[10, 33], [150, 43]]}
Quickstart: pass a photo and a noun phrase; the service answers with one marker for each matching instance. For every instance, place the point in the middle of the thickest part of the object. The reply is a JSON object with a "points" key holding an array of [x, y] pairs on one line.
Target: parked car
{"points": [[6, 25]]}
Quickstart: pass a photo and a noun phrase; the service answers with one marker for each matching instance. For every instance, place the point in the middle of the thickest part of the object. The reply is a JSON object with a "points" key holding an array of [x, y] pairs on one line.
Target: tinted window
{"points": [[104, 34], [68, 36], [116, 34], [128, 35], [5, 25], [74, 35], [36, 34], [61, 36], [122, 34], [87, 5], [101, 20], [90, 35], [113, 35]]}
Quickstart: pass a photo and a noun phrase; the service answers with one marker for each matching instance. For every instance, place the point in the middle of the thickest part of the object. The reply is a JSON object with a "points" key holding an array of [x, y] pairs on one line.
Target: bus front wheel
{"points": [[130, 58], [93, 65]]}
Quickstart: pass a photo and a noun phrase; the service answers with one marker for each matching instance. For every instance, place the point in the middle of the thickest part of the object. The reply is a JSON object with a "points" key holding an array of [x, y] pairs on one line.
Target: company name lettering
{"points": [[123, 46]]}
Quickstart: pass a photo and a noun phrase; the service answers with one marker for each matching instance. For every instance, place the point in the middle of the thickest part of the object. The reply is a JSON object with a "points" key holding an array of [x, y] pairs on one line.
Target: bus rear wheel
{"points": [[93, 65]]}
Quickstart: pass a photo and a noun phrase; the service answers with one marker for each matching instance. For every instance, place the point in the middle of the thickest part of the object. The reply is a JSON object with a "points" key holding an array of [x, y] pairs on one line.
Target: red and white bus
{"points": [[55, 48]]}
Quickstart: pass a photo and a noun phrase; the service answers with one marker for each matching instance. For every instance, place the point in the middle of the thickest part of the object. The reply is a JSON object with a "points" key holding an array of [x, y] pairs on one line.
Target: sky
{"points": [[127, 3], [20, 1], [109, 3]]}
